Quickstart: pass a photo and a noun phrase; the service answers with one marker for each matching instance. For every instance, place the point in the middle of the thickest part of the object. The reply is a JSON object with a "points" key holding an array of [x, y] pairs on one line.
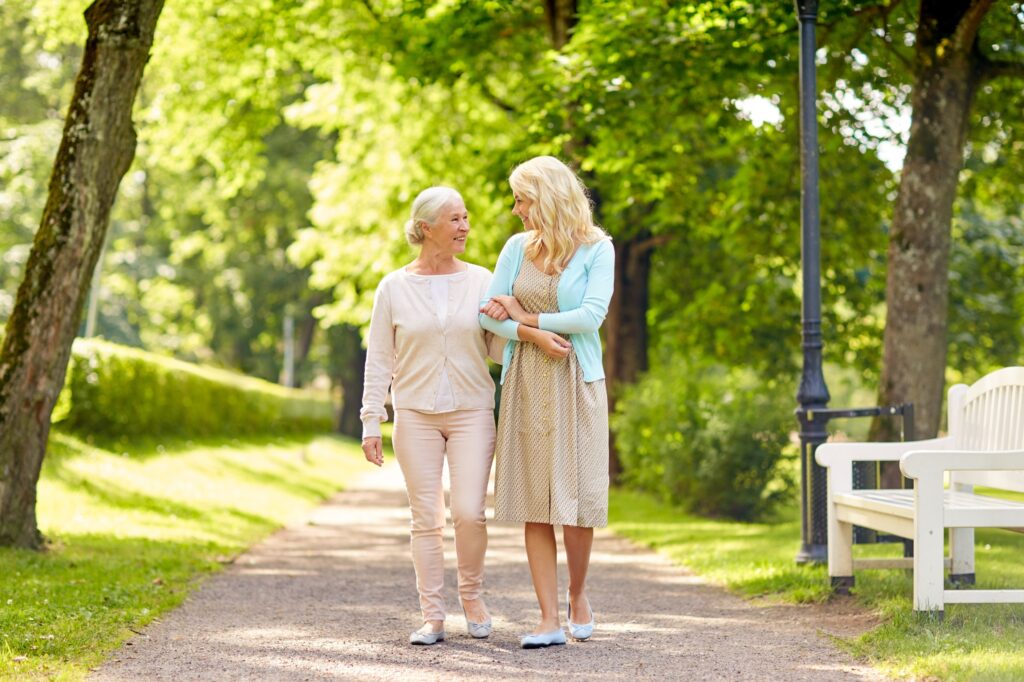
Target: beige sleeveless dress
{"points": [[551, 455]]}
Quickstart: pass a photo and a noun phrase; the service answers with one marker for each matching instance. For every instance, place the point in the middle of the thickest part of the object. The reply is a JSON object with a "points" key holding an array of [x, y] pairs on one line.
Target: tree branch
{"points": [[654, 242], [868, 16], [895, 51], [967, 29], [994, 68], [495, 100], [489, 94], [883, 11], [372, 11]]}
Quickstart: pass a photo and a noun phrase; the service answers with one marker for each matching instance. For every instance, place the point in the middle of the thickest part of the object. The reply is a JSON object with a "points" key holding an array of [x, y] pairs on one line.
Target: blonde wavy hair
{"points": [[560, 210]]}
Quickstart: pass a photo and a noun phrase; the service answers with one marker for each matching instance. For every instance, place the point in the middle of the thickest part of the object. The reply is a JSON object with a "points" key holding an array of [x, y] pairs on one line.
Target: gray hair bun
{"points": [[413, 232]]}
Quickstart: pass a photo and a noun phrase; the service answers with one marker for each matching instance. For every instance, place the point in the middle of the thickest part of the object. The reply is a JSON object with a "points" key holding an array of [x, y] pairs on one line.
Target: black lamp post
{"points": [[813, 393]]}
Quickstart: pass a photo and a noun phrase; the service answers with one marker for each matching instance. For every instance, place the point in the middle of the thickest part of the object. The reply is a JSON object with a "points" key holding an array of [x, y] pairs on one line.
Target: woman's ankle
{"points": [[433, 625]]}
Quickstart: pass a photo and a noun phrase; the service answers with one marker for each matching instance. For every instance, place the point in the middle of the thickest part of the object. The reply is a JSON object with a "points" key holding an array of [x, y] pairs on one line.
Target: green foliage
{"points": [[280, 145], [710, 440], [131, 531], [113, 392], [986, 291]]}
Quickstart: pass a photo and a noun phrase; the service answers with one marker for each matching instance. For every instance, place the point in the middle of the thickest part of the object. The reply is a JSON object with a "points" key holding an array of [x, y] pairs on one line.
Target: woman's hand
{"points": [[495, 310], [552, 345], [515, 310], [373, 450]]}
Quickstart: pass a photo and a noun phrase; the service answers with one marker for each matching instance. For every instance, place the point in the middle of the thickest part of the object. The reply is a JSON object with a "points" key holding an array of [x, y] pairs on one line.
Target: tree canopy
{"points": [[281, 144]]}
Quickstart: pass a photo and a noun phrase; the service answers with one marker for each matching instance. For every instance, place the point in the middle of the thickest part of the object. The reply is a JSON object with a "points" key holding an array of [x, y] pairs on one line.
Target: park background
{"points": [[280, 145]]}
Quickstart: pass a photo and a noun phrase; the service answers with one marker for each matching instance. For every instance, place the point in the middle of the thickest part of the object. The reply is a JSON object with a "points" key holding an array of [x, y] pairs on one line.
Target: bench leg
{"points": [[961, 555], [841, 584], [840, 553], [928, 546]]}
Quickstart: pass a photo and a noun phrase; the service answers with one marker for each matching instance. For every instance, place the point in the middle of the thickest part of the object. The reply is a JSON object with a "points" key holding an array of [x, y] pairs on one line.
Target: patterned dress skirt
{"points": [[551, 455]]}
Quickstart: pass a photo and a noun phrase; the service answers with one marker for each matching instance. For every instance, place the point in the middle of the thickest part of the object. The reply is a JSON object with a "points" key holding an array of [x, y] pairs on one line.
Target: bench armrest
{"points": [[838, 454], [920, 463]]}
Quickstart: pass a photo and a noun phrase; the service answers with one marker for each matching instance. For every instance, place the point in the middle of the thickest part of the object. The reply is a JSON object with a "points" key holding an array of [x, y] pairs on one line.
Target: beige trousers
{"points": [[422, 441]]}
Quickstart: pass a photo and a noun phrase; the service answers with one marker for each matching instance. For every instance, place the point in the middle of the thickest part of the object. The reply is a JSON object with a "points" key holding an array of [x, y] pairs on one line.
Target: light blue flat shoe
{"points": [[580, 632], [477, 630], [545, 639], [426, 638]]}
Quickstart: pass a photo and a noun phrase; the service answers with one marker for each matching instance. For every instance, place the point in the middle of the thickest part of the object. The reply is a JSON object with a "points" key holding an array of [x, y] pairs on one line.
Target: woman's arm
{"points": [[593, 309], [553, 345], [596, 297], [501, 284], [380, 364]]}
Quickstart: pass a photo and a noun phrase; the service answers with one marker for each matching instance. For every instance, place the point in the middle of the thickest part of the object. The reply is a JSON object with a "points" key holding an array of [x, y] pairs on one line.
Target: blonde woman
{"points": [[555, 282], [426, 345]]}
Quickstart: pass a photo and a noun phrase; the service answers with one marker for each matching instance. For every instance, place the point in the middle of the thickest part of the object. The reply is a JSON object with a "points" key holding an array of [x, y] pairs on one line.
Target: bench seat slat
{"points": [[960, 509]]}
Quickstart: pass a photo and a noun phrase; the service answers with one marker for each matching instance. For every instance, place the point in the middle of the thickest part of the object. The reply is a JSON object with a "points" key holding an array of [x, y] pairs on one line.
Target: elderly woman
{"points": [[426, 345], [554, 279]]}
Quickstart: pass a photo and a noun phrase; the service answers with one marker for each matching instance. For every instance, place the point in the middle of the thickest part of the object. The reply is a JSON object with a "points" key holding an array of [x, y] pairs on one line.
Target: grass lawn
{"points": [[974, 642], [133, 529]]}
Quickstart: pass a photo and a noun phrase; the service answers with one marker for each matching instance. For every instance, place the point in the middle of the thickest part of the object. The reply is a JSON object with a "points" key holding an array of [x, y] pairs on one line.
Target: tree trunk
{"points": [[626, 325], [917, 286], [96, 150], [625, 328], [348, 360], [561, 16], [307, 332]]}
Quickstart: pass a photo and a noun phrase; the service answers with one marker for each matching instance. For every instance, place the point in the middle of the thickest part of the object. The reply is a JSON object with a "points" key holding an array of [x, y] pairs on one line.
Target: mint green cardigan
{"points": [[584, 292]]}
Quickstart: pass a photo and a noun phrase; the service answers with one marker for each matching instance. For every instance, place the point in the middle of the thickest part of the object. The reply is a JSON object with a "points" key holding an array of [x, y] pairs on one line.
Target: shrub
{"points": [[113, 392], [709, 439]]}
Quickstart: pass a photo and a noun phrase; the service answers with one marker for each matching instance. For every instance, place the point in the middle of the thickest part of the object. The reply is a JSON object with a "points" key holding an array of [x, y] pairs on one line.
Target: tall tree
{"points": [[950, 63], [96, 149]]}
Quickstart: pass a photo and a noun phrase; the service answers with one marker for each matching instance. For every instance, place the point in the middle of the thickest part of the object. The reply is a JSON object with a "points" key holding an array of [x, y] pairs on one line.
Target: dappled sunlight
{"points": [[277, 633], [275, 571], [337, 598], [130, 535]]}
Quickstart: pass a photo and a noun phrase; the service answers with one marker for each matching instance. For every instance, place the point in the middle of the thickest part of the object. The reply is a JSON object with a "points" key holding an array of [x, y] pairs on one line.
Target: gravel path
{"points": [[334, 598]]}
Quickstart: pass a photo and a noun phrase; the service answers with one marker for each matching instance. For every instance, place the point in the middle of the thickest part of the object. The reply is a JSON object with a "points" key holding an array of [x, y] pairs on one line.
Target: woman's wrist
{"points": [[530, 320]]}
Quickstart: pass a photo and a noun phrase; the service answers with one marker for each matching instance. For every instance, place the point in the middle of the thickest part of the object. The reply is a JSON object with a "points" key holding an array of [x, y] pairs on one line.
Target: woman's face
{"points": [[521, 209], [449, 231]]}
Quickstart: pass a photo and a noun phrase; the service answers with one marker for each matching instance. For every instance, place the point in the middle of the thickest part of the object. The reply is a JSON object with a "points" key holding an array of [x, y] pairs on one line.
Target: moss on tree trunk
{"points": [[96, 150], [917, 287]]}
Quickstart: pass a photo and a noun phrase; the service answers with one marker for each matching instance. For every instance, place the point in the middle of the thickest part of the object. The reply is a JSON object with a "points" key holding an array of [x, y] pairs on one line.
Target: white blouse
{"points": [[445, 401]]}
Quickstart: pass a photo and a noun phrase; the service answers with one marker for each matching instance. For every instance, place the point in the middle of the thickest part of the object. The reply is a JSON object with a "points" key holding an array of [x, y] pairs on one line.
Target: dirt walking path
{"points": [[334, 599]]}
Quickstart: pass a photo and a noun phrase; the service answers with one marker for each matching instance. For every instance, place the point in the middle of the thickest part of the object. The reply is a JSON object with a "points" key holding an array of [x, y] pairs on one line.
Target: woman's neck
{"points": [[431, 262]]}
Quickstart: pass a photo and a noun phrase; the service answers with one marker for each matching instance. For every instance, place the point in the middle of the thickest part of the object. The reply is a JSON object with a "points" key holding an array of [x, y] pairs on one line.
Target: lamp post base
{"points": [[812, 554]]}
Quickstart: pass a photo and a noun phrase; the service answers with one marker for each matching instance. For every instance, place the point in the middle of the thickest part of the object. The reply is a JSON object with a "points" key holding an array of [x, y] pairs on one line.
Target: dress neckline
{"points": [[534, 266]]}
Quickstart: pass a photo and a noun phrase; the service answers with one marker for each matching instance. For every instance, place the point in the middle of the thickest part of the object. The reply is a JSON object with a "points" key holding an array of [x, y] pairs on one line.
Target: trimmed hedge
{"points": [[112, 391]]}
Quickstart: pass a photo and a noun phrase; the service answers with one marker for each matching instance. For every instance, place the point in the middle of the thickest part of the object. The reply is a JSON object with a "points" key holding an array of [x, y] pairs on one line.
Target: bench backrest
{"points": [[991, 418]]}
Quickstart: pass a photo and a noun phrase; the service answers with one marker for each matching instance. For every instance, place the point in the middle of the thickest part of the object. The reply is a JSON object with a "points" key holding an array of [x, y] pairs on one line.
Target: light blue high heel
{"points": [[579, 632], [545, 639]]}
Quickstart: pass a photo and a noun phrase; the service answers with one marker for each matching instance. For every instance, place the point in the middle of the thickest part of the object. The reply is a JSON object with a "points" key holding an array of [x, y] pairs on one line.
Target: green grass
{"points": [[974, 642], [132, 533]]}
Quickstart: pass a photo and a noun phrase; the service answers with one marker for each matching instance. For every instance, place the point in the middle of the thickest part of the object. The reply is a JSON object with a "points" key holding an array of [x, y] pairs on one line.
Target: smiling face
{"points": [[521, 209], [448, 233]]}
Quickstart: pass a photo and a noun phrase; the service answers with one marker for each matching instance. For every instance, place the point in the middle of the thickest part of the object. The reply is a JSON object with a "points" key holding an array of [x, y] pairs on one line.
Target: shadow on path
{"points": [[335, 598]]}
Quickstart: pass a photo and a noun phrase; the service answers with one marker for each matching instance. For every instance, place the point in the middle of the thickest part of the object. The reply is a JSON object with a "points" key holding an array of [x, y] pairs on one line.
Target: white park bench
{"points": [[985, 447]]}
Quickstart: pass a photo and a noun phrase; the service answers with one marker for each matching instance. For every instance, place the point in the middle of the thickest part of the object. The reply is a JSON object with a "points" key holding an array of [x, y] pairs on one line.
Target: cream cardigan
{"points": [[407, 346]]}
